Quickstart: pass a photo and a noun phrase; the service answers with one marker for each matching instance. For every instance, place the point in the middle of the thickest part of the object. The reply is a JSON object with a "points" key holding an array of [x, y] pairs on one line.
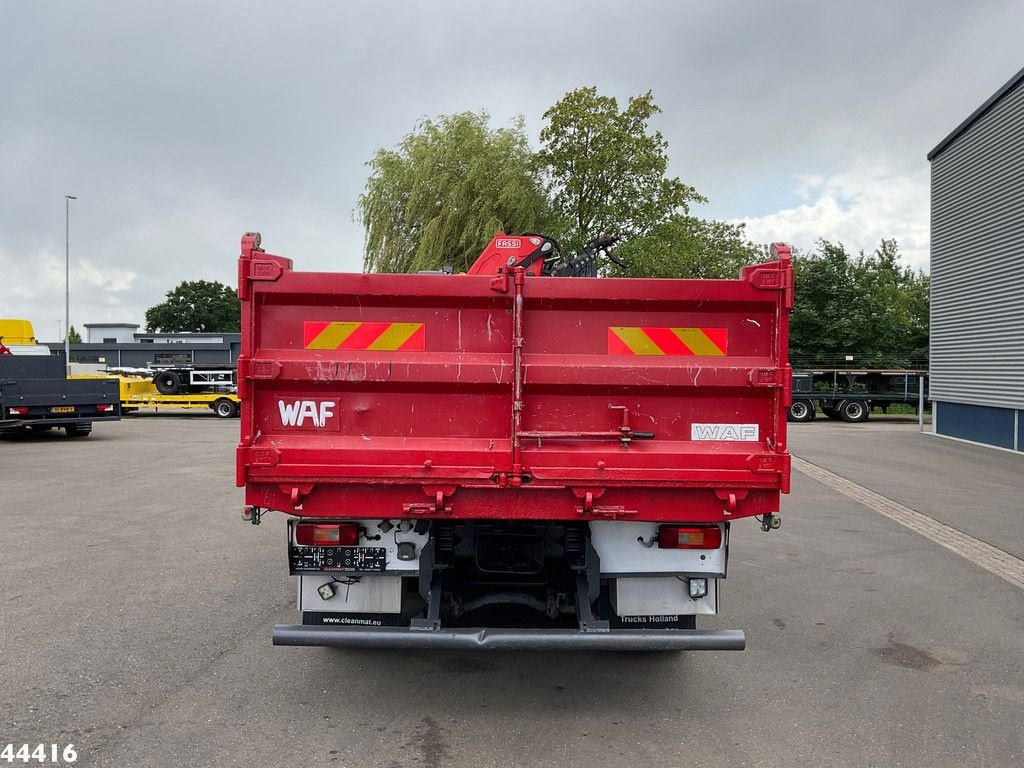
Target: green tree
{"points": [[900, 298], [198, 306], [868, 306], [606, 169], [918, 297], [74, 337], [443, 193], [688, 247]]}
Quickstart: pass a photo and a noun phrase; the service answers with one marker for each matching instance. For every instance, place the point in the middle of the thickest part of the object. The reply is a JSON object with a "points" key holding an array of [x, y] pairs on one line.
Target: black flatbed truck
{"points": [[36, 395], [849, 394]]}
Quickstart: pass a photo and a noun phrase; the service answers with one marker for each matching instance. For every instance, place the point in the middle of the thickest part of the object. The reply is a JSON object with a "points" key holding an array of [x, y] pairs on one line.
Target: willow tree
{"points": [[440, 196]]}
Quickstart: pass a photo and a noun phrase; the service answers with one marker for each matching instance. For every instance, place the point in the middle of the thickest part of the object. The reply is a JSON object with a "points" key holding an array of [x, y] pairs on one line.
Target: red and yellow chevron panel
{"points": [[712, 342], [377, 337]]}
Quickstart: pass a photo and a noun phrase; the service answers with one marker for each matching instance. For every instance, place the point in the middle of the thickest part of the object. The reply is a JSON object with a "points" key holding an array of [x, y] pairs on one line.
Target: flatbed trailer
{"points": [[849, 394], [138, 393], [511, 460]]}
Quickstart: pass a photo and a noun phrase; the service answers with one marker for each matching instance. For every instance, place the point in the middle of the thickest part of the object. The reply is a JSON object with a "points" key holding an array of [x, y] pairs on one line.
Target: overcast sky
{"points": [[180, 125]]}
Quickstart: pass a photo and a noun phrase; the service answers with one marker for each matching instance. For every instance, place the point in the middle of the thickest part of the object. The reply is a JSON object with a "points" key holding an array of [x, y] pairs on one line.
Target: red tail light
{"points": [[327, 534], [18, 410], [105, 408], [689, 537]]}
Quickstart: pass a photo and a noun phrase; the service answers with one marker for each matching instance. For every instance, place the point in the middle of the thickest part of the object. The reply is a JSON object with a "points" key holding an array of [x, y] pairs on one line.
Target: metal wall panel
{"points": [[977, 423], [31, 367], [977, 261]]}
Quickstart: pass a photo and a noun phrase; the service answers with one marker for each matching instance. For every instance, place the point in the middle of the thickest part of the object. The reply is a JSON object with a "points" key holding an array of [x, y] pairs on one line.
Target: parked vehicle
{"points": [[16, 332], [507, 459], [850, 394], [139, 392], [36, 395]]}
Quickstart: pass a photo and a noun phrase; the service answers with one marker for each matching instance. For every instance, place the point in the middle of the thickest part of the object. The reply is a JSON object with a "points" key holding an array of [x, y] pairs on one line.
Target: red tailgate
{"points": [[382, 395]]}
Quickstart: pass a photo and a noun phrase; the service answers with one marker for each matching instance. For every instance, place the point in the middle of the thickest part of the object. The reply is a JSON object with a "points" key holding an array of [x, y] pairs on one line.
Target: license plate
{"points": [[63, 409]]}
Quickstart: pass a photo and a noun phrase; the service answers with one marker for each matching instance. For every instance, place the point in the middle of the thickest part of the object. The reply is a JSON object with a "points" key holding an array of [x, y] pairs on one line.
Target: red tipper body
{"points": [[513, 396]]}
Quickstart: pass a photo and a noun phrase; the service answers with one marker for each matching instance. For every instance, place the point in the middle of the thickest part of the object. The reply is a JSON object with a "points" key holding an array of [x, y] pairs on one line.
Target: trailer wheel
{"points": [[167, 382], [853, 411], [801, 410], [78, 430], [225, 408]]}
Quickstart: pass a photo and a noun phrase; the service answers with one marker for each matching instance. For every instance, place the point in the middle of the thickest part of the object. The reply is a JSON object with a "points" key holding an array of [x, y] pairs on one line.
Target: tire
{"points": [[78, 430], [853, 411], [801, 410], [167, 382], [225, 408]]}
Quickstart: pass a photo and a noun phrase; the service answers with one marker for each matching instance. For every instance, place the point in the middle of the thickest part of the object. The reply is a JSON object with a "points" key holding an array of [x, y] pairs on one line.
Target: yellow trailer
{"points": [[138, 392]]}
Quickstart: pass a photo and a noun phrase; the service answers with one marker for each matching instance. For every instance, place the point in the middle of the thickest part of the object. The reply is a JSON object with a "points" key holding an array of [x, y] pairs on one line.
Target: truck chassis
{"points": [[434, 584]]}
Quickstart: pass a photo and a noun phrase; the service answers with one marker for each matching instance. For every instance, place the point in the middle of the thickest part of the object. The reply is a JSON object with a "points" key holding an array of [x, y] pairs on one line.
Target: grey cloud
{"points": [[181, 125]]}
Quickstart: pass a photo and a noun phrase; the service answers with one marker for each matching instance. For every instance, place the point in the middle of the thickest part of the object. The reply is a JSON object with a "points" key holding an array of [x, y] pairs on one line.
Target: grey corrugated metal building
{"points": [[977, 273]]}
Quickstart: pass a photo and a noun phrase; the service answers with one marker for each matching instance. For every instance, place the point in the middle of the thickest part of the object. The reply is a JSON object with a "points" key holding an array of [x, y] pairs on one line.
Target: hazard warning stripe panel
{"points": [[373, 337], [690, 342]]}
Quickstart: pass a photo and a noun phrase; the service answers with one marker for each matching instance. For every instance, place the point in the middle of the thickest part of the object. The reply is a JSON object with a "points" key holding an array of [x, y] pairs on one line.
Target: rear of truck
{"points": [[36, 395], [512, 460]]}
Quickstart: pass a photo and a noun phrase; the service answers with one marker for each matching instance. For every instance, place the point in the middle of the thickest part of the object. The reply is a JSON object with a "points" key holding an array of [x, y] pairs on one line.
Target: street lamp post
{"points": [[67, 283]]}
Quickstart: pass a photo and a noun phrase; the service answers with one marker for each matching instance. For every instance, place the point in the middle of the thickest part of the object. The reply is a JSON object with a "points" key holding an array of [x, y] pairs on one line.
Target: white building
{"points": [[110, 333]]}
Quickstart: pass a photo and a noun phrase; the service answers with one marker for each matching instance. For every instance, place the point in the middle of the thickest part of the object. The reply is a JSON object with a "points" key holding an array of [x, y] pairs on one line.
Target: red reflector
{"points": [[20, 410], [326, 534], [105, 408], [679, 537]]}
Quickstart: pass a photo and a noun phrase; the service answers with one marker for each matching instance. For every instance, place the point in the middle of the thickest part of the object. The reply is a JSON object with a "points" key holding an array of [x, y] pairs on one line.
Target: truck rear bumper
{"points": [[45, 421], [512, 639]]}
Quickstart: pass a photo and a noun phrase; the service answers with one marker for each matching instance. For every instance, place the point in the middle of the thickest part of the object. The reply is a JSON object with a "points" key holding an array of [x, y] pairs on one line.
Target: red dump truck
{"points": [[511, 460]]}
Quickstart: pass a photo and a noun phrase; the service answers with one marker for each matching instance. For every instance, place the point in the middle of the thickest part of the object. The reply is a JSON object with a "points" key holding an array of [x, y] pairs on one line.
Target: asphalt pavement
{"points": [[137, 610]]}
